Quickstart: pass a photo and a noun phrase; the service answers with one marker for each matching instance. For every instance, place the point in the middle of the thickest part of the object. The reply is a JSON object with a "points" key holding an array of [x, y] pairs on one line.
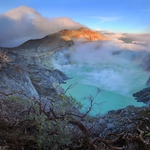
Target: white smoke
{"points": [[113, 65], [111, 51], [120, 48]]}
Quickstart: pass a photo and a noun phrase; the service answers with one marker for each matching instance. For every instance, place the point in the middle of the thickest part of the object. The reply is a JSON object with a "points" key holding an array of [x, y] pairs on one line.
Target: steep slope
{"points": [[28, 67]]}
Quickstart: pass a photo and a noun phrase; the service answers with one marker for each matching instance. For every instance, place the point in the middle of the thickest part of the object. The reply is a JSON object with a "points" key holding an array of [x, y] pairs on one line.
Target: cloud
{"points": [[23, 23], [120, 48], [135, 42], [107, 19], [138, 42]]}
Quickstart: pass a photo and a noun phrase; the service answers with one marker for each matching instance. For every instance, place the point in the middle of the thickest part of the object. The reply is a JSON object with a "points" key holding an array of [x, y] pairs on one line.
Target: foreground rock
{"points": [[24, 124]]}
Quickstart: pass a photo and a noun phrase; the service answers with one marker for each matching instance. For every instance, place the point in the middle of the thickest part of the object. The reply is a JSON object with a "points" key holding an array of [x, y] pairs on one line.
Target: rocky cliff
{"points": [[28, 67]]}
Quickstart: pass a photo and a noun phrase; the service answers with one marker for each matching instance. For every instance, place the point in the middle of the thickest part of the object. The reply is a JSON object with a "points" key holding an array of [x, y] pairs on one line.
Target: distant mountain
{"points": [[56, 41], [60, 38], [86, 33]]}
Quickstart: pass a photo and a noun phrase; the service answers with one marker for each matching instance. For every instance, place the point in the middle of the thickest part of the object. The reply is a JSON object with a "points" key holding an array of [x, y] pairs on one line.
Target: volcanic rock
{"points": [[143, 95], [28, 67]]}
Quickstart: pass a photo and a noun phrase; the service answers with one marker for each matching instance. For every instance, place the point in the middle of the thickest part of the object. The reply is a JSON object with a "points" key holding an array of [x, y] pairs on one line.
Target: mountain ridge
{"points": [[83, 32], [65, 35]]}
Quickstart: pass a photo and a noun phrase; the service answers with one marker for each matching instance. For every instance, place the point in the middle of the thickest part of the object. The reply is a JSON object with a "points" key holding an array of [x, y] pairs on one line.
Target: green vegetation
{"points": [[43, 129], [27, 124], [53, 128], [148, 135]]}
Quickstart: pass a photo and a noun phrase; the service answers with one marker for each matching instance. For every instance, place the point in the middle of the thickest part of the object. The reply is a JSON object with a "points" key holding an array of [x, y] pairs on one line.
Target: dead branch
{"points": [[70, 87], [81, 127], [142, 143], [91, 98], [122, 141]]}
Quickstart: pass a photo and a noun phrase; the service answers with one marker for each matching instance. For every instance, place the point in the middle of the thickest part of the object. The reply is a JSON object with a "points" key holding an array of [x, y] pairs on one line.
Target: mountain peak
{"points": [[83, 32]]}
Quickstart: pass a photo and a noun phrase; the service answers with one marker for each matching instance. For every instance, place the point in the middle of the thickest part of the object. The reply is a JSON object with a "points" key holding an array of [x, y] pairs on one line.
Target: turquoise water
{"points": [[93, 66], [115, 93]]}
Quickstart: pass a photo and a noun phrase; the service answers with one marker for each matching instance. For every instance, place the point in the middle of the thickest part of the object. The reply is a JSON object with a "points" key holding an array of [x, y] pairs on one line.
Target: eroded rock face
{"points": [[143, 95], [46, 82], [32, 79], [28, 69]]}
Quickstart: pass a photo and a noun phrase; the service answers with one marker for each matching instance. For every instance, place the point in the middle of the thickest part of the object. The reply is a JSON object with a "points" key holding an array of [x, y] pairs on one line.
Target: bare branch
{"points": [[70, 87], [91, 99]]}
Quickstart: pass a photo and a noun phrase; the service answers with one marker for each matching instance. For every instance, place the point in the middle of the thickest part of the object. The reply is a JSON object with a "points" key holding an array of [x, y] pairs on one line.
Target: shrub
{"points": [[46, 130]]}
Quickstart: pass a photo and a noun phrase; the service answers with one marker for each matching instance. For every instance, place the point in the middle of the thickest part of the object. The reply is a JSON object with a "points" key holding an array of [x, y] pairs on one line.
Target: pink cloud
{"points": [[23, 23]]}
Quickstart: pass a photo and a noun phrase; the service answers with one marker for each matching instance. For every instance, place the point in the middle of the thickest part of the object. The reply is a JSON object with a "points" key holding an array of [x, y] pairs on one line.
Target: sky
{"points": [[115, 15], [31, 16]]}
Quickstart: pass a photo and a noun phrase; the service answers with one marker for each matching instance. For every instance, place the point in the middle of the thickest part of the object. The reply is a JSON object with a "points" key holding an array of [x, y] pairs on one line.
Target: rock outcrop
{"points": [[148, 82], [117, 121], [143, 95]]}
